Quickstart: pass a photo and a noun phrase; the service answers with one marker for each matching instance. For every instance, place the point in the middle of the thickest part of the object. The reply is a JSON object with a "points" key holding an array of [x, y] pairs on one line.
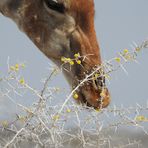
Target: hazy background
{"points": [[118, 24]]}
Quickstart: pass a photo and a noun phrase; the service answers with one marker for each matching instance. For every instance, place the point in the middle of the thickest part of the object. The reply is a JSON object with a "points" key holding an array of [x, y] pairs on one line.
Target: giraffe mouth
{"points": [[96, 99], [94, 93]]}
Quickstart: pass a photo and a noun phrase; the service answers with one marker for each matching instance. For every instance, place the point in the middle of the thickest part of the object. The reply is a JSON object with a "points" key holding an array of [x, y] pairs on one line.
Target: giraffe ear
{"points": [[55, 5]]}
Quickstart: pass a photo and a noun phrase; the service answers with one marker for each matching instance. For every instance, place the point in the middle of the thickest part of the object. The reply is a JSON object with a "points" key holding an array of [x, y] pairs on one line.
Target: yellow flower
{"points": [[78, 62], [63, 59], [71, 62], [98, 109], [125, 51], [68, 59], [75, 96], [16, 65], [68, 110], [12, 68], [141, 118], [77, 55], [96, 75], [107, 76], [5, 124], [137, 49], [103, 93], [22, 118], [117, 59], [22, 81], [128, 57], [23, 65], [56, 117]]}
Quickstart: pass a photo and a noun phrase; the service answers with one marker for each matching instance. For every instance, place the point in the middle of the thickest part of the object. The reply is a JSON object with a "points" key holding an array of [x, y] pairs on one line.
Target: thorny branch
{"points": [[47, 125]]}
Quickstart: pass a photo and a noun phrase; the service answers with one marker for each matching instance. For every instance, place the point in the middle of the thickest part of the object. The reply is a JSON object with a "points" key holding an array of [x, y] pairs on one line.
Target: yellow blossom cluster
{"points": [[16, 67], [118, 59], [22, 81], [75, 96], [4, 124], [56, 117], [103, 93], [123, 54], [141, 118], [97, 109], [107, 76], [22, 119], [126, 55], [68, 110], [76, 59], [137, 49]]}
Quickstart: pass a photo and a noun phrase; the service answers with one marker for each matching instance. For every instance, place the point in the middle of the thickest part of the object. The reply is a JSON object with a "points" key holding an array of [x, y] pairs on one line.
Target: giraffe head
{"points": [[64, 28]]}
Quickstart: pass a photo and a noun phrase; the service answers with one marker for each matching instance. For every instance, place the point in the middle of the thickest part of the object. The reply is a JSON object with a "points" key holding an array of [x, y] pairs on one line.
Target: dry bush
{"points": [[49, 123]]}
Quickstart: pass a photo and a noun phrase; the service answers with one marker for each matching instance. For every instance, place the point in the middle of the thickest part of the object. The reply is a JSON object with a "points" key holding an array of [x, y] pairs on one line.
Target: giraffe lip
{"points": [[82, 98], [95, 98], [85, 98]]}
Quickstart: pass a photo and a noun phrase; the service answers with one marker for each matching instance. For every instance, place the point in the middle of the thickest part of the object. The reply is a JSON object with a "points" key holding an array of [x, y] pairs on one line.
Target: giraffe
{"points": [[64, 28]]}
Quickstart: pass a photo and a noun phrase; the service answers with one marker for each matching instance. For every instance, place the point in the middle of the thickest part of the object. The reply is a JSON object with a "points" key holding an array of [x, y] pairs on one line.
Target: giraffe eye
{"points": [[55, 5]]}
